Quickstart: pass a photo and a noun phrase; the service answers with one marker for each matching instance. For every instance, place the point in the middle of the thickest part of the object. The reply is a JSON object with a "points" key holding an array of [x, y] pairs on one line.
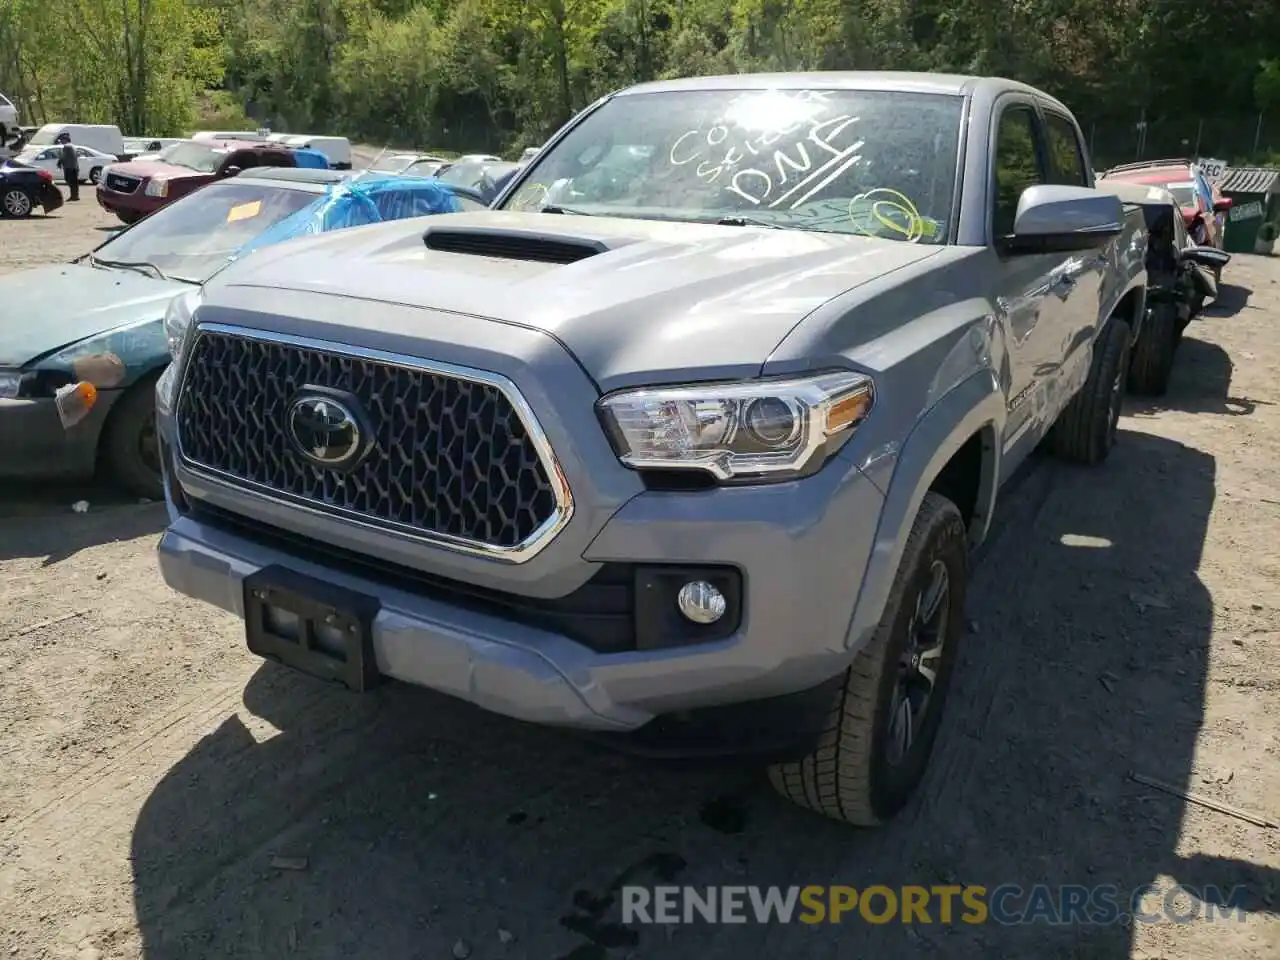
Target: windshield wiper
{"points": [[553, 208], [737, 221], [140, 266]]}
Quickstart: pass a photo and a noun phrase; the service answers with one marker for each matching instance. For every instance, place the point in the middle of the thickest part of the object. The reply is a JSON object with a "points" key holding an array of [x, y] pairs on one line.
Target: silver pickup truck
{"points": [[688, 442]]}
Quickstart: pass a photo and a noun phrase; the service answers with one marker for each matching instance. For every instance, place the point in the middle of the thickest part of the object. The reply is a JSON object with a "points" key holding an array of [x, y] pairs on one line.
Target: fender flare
{"points": [[975, 406]]}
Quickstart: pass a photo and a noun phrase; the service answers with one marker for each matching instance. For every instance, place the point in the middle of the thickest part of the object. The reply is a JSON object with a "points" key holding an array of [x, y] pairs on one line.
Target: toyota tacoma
{"points": [[689, 441]]}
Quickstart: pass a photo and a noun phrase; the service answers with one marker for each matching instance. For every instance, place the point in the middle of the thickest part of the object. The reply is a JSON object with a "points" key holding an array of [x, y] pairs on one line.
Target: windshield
{"points": [[423, 168], [879, 163], [392, 164], [1184, 193], [44, 136], [468, 173], [190, 240], [193, 156]]}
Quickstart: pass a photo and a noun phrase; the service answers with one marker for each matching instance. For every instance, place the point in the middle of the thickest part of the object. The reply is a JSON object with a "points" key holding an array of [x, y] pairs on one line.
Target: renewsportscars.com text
{"points": [[1008, 904]]}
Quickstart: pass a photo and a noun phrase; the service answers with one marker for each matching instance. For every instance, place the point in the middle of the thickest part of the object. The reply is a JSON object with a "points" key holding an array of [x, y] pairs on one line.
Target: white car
{"points": [[92, 162], [8, 117], [401, 162], [148, 148]]}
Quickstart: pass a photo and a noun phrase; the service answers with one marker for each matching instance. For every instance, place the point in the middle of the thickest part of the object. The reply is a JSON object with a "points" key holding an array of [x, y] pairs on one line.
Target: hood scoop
{"points": [[508, 244]]}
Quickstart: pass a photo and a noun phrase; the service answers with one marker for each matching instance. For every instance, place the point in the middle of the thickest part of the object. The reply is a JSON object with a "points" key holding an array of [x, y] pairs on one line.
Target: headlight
{"points": [[758, 428], [10, 384], [177, 318], [157, 188]]}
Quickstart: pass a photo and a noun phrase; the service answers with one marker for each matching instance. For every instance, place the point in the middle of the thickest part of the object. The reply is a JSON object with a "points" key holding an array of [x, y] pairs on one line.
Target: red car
{"points": [[1203, 206], [133, 190]]}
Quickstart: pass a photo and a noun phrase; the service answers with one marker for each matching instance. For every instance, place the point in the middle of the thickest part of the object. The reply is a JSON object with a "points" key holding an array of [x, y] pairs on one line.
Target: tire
{"points": [[1086, 428], [128, 218], [128, 447], [1152, 360], [16, 203], [851, 775], [95, 176]]}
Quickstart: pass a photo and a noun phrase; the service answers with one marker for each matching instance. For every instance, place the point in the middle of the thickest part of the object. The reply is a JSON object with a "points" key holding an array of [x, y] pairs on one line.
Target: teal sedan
{"points": [[83, 343]]}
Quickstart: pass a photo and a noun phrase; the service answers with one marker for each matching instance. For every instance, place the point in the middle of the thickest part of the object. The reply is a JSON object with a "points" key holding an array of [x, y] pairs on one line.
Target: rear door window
{"points": [[1064, 151]]}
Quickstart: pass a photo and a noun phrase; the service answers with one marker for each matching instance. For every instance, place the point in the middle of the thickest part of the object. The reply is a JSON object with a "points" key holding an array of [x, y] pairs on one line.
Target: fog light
{"points": [[701, 602]]}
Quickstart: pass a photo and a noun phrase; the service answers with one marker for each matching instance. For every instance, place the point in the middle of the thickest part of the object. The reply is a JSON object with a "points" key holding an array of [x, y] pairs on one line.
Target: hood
{"points": [[649, 296], [56, 306], [155, 170]]}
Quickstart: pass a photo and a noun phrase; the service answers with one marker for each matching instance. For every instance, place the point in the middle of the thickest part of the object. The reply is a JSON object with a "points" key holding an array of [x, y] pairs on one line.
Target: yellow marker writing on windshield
{"points": [[896, 213], [532, 194], [244, 211]]}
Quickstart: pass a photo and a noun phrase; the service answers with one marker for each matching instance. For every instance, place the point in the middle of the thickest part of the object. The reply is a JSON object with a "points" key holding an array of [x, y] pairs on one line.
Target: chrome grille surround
{"points": [[121, 183], [544, 483]]}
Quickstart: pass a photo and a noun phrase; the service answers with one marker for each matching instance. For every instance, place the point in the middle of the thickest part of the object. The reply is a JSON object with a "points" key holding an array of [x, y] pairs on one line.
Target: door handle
{"points": [[1063, 285]]}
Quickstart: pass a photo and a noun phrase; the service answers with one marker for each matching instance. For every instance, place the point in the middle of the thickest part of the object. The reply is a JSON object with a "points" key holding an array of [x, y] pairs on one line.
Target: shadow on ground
{"points": [[424, 822], [38, 520], [1201, 383], [1231, 299]]}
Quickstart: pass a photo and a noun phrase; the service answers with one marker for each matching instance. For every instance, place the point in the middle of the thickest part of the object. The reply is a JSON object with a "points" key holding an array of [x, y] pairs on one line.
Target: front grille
{"points": [[450, 458], [121, 184]]}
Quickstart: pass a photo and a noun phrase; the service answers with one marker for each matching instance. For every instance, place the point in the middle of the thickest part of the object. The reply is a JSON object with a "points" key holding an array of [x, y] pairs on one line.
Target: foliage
{"points": [[501, 74]]}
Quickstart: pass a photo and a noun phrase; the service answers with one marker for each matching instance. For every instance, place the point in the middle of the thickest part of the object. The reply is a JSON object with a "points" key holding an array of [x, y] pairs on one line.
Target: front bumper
{"points": [[136, 204], [801, 568], [461, 624], [35, 443]]}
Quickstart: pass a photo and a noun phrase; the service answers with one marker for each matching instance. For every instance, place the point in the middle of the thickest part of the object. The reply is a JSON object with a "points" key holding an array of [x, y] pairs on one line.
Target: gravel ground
{"points": [[163, 794]]}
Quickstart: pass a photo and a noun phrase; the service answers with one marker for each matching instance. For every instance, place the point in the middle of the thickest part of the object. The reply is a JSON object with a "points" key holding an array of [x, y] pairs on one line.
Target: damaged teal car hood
{"points": [[50, 308]]}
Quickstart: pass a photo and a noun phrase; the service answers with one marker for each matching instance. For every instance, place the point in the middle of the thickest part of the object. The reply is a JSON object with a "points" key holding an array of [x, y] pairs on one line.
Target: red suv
{"points": [[1203, 205], [134, 189]]}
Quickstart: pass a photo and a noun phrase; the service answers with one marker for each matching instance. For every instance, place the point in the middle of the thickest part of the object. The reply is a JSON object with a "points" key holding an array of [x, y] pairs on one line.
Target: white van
{"points": [[100, 136], [250, 136], [336, 149]]}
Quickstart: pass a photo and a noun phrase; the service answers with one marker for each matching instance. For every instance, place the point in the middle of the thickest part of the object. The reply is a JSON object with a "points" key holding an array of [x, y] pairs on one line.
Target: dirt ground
{"points": [[1123, 620]]}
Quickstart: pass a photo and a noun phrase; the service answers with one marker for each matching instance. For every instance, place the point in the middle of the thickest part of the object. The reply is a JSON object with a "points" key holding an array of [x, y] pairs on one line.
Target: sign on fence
{"points": [[1212, 169]]}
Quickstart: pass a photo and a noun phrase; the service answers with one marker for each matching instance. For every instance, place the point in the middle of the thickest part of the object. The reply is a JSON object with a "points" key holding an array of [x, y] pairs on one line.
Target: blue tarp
{"points": [[311, 159], [363, 199]]}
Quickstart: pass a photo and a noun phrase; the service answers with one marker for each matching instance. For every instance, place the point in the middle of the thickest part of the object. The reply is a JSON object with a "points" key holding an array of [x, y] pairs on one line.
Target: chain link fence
{"points": [[1239, 140]]}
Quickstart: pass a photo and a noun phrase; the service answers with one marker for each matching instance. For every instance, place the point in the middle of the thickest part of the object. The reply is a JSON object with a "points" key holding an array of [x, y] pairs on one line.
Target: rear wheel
{"points": [[16, 203], [1086, 429], [130, 450], [1153, 353], [881, 730]]}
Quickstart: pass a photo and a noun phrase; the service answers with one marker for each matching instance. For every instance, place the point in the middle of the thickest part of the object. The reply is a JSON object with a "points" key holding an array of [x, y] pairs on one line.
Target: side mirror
{"points": [[1222, 206], [229, 171], [1053, 219], [1211, 258]]}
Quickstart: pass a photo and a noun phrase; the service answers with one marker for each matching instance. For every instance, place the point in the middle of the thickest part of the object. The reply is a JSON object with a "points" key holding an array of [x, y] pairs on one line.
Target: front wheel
{"points": [[16, 203], [1086, 428], [128, 218], [1152, 361], [130, 450], [95, 175], [881, 729]]}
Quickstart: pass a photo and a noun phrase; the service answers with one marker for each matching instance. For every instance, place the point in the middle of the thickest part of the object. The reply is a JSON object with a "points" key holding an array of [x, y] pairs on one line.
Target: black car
{"points": [[1180, 277], [23, 188]]}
